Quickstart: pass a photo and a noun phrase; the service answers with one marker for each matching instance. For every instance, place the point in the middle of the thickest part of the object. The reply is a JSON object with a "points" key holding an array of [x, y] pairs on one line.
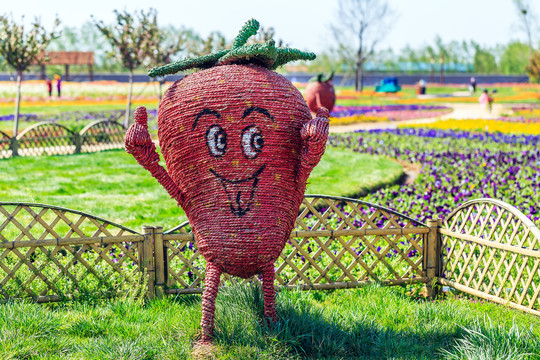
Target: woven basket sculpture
{"points": [[320, 93], [239, 143]]}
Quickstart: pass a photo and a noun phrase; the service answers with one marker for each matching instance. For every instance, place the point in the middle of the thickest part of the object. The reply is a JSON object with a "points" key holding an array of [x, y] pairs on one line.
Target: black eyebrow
{"points": [[205, 112], [263, 111]]}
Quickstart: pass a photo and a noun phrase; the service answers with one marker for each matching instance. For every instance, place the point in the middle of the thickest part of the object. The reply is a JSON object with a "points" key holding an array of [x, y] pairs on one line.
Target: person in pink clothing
{"points": [[485, 100]]}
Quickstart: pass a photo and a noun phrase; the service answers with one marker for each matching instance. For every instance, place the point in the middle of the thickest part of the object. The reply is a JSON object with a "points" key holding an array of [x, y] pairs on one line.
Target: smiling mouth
{"points": [[240, 192]]}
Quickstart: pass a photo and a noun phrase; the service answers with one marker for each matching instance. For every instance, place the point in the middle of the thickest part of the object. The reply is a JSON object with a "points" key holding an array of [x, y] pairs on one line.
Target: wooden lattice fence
{"points": [[485, 248], [102, 135], [337, 243], [48, 138], [5, 145], [50, 253], [492, 250]]}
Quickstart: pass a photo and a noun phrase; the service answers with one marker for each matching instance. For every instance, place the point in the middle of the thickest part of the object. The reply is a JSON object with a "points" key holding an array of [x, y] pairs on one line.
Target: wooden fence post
{"points": [[432, 254], [159, 261], [148, 258]]}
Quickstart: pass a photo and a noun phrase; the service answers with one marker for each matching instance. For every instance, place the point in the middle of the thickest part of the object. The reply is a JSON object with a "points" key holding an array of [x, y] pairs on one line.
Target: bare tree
{"points": [[527, 18], [21, 49], [132, 38], [168, 43], [360, 26], [215, 41]]}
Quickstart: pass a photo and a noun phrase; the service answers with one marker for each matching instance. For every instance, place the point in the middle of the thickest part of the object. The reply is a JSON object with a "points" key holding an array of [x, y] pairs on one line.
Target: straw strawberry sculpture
{"points": [[320, 92], [239, 143]]}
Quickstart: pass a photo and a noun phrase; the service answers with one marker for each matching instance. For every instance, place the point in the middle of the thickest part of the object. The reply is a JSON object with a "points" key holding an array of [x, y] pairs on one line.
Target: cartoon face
{"points": [[240, 192], [234, 148]]}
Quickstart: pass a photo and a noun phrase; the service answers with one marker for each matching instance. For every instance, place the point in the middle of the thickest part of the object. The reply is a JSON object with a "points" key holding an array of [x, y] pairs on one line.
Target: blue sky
{"points": [[301, 23]]}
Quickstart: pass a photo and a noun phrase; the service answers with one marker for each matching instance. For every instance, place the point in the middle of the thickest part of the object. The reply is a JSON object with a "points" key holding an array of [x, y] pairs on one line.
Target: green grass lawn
{"points": [[113, 186], [369, 323]]}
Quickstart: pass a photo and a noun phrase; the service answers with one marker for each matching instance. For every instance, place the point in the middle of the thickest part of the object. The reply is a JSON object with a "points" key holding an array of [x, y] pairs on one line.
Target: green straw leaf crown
{"points": [[321, 78], [266, 55]]}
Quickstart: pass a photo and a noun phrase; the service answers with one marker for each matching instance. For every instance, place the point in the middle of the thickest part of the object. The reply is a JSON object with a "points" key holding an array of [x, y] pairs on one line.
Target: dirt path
{"points": [[461, 111]]}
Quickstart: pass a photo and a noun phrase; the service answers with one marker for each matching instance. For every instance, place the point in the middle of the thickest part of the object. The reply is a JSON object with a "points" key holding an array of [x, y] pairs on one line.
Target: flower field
{"points": [[445, 93], [36, 90], [76, 97], [456, 166], [488, 125], [343, 115]]}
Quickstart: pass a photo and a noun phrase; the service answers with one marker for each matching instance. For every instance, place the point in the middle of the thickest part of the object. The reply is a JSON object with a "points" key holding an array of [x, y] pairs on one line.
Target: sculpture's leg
{"points": [[211, 284], [269, 293]]}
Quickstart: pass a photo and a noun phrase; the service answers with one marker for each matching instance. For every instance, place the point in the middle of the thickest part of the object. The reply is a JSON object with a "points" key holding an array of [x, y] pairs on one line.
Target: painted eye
{"points": [[216, 140], [252, 141]]}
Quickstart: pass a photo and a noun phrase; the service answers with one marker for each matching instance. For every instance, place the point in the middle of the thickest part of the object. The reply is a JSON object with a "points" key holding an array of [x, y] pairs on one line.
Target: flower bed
{"points": [[489, 125], [351, 114], [457, 166], [528, 113], [36, 90], [74, 116]]}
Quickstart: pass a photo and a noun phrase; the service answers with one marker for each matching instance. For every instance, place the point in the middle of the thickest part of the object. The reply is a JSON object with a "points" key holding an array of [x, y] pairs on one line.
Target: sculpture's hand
{"points": [[314, 133], [139, 144]]}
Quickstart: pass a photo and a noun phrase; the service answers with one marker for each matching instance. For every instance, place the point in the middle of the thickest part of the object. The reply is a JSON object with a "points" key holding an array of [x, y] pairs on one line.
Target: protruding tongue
{"points": [[240, 194]]}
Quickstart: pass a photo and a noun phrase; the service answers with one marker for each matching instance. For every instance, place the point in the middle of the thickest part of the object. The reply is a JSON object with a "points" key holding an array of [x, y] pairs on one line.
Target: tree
{"points": [[212, 43], [133, 39], [361, 25], [514, 58], [86, 37], [168, 43], [527, 18], [484, 61], [533, 69], [21, 48]]}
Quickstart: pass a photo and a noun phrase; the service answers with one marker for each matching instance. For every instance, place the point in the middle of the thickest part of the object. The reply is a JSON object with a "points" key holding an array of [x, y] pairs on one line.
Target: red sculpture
{"points": [[320, 93], [239, 144]]}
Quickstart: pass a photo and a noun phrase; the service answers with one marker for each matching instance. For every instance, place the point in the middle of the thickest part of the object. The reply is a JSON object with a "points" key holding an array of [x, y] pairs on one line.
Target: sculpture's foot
{"points": [[205, 340], [204, 350]]}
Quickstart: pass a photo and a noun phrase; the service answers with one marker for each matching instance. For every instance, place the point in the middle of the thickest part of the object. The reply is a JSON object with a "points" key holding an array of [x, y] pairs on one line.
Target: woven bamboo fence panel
{"points": [[5, 145], [336, 243], [50, 253], [102, 135], [492, 250], [46, 138]]}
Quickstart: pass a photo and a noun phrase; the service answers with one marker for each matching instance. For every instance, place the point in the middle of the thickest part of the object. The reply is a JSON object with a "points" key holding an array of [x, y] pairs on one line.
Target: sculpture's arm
{"points": [[314, 135], [139, 144]]}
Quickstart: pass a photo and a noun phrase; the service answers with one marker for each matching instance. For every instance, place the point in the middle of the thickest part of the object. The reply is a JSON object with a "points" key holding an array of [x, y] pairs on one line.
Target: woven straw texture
{"points": [[320, 94], [239, 144]]}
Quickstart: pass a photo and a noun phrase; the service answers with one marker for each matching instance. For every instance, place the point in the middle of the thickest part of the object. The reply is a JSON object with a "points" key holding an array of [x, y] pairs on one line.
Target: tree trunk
{"points": [[130, 93], [359, 80], [17, 104]]}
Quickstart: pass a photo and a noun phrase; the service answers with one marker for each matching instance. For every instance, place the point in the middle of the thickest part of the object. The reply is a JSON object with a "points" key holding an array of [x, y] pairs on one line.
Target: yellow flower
{"points": [[481, 125]]}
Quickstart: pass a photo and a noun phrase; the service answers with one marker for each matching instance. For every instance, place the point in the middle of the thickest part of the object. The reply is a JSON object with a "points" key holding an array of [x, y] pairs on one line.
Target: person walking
{"points": [[49, 86], [472, 85], [58, 79], [486, 100], [422, 85]]}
